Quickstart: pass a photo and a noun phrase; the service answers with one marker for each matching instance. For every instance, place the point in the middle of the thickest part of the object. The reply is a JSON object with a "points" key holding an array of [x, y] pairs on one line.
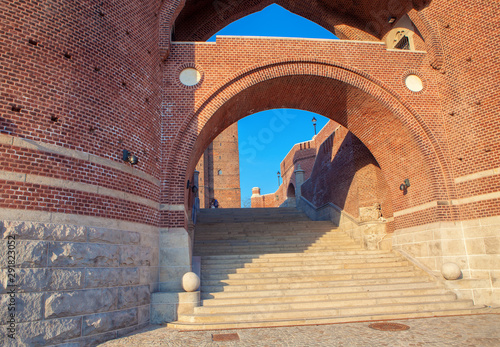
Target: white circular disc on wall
{"points": [[414, 83], [190, 76]]}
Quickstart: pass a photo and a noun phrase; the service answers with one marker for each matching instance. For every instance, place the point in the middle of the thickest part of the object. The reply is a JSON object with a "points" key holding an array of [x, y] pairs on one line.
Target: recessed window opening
{"points": [[403, 43]]}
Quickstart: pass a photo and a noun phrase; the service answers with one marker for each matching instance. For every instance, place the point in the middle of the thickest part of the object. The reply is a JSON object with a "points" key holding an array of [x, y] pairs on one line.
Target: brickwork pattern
{"points": [[220, 171]]}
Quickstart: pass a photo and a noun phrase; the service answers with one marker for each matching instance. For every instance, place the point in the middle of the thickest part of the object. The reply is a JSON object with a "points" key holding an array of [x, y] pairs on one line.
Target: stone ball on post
{"points": [[190, 282], [451, 271]]}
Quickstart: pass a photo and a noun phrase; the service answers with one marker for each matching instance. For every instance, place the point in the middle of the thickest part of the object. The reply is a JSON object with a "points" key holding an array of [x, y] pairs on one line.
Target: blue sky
{"points": [[266, 137]]}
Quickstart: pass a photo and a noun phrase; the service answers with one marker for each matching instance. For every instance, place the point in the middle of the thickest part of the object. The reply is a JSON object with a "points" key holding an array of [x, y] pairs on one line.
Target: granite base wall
{"points": [[473, 244], [75, 284]]}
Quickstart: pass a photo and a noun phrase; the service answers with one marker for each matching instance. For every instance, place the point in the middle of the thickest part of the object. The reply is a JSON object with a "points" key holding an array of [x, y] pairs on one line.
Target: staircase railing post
{"points": [[299, 179]]}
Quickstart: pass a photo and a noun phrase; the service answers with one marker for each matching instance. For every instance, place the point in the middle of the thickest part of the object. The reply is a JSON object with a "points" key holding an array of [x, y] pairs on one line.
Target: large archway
{"points": [[391, 130]]}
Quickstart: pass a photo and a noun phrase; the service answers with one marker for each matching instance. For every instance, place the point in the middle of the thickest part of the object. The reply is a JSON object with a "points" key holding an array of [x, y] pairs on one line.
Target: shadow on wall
{"points": [[347, 175]]}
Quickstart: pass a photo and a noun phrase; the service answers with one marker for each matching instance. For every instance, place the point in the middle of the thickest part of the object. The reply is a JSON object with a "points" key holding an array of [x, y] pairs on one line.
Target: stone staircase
{"points": [[275, 267]]}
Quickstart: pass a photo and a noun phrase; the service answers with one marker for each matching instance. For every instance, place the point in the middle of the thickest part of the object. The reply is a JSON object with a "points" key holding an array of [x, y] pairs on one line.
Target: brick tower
{"points": [[220, 171]]}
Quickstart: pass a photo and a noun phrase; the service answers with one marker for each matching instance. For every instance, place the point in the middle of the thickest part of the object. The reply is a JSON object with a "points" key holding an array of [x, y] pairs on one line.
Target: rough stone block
{"points": [[131, 237], [65, 254], [150, 240], [63, 232], [492, 245], [133, 296], [43, 333], [175, 257], [174, 238], [23, 230], [103, 322], [80, 302], [453, 247], [103, 235], [435, 248], [26, 280], [475, 246], [28, 307], [27, 253], [111, 277], [135, 256], [148, 275], [163, 313], [65, 279], [143, 313], [485, 262], [44, 231]]}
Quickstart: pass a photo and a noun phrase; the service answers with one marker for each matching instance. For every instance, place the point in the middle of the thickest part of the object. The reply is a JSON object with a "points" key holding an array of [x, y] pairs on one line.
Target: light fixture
{"points": [[391, 20], [404, 186], [314, 120], [129, 157], [279, 179]]}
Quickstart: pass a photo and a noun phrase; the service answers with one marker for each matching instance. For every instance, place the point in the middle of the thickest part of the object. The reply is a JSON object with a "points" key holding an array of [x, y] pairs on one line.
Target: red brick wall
{"points": [[222, 154], [346, 174], [393, 132], [102, 77], [84, 76]]}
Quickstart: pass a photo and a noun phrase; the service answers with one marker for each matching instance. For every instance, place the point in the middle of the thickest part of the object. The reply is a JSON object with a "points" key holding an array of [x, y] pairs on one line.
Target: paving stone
{"points": [[474, 330]]}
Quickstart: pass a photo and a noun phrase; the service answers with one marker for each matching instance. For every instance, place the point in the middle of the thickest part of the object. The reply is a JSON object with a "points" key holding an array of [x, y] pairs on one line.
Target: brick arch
{"points": [[394, 133], [360, 20]]}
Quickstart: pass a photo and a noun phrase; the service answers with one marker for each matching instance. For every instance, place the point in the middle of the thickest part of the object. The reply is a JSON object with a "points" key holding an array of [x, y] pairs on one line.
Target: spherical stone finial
{"points": [[451, 271], [190, 282]]}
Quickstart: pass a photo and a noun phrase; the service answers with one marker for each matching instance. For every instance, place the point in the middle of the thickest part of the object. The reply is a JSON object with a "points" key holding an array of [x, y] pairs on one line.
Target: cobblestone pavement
{"points": [[480, 330]]}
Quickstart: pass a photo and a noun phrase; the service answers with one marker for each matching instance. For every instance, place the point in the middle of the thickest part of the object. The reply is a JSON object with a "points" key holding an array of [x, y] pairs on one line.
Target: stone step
{"points": [[407, 283], [293, 255], [324, 297], [284, 238], [310, 258], [186, 326], [307, 304], [307, 262], [314, 286], [259, 243], [390, 270], [326, 312], [307, 277], [307, 268], [267, 250]]}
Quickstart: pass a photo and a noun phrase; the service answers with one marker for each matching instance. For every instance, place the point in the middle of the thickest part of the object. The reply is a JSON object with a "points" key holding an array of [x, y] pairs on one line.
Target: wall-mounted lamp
{"points": [[194, 189], [279, 179], [314, 120], [391, 20], [129, 157], [404, 186]]}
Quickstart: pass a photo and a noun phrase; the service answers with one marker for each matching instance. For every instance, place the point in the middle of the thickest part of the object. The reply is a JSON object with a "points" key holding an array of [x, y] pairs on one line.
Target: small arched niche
{"points": [[402, 36], [290, 193]]}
